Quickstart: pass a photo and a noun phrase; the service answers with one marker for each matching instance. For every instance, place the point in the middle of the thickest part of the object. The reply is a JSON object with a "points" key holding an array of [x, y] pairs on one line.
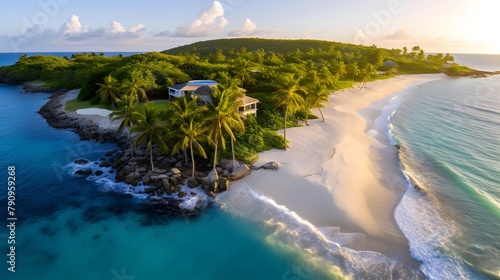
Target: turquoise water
{"points": [[449, 133], [68, 228]]}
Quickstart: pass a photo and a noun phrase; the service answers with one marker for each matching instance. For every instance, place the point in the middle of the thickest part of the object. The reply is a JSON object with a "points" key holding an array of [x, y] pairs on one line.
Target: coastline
{"points": [[345, 172]]}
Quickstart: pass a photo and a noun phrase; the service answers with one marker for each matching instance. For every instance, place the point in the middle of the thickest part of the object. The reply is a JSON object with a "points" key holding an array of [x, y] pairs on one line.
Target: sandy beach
{"points": [[344, 172]]}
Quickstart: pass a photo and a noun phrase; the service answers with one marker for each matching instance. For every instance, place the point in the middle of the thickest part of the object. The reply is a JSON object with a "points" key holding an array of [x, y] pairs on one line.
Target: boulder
{"points": [[212, 176], [104, 163], [175, 171], [149, 190], [166, 184], [182, 194], [130, 178], [125, 158], [141, 169], [178, 164], [146, 179], [79, 172], [87, 172], [98, 173], [240, 172], [271, 166], [81, 161], [222, 184], [192, 183], [206, 180]]}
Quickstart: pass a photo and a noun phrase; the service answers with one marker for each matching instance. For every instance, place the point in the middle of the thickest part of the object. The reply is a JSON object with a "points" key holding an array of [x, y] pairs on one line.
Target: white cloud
{"points": [[248, 29], [137, 28], [117, 27], [209, 21], [73, 25]]}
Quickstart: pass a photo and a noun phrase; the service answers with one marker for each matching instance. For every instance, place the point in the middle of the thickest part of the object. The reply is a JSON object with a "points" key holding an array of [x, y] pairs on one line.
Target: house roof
{"points": [[390, 63], [249, 100]]}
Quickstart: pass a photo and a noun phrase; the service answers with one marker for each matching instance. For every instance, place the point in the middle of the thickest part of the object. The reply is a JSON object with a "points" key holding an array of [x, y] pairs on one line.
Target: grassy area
{"points": [[160, 105], [74, 104]]}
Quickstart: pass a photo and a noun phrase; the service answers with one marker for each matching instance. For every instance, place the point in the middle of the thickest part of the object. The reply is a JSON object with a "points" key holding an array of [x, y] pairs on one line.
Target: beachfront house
{"points": [[388, 67], [203, 89]]}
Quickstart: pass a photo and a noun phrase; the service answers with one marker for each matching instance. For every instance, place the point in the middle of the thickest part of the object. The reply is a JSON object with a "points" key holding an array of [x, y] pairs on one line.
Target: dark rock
{"points": [[222, 184], [98, 173], [79, 172], [149, 190], [192, 183], [146, 179], [104, 163], [81, 161], [87, 172], [182, 194]]}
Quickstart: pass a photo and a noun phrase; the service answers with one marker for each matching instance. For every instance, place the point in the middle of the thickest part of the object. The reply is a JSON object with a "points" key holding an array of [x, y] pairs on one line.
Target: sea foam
{"points": [[326, 244]]}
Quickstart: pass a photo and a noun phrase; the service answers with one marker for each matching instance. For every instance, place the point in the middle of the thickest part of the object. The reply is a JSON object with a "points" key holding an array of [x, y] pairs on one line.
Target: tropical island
{"points": [[181, 111]]}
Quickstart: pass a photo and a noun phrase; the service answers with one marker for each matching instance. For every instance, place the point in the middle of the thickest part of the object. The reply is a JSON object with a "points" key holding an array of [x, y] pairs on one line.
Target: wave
{"points": [[195, 197], [322, 246]]}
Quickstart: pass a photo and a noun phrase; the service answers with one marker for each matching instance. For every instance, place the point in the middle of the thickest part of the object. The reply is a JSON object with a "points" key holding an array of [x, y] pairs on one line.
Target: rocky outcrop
{"points": [[53, 112], [240, 172]]}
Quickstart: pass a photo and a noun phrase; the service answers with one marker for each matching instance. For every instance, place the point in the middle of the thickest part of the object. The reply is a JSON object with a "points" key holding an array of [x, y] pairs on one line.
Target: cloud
{"points": [[138, 28], [402, 34], [248, 29], [163, 34], [210, 21], [73, 25], [117, 27]]}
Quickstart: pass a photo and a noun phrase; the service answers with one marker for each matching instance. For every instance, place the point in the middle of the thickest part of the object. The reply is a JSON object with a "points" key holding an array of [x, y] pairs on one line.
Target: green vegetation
{"points": [[289, 77], [73, 105]]}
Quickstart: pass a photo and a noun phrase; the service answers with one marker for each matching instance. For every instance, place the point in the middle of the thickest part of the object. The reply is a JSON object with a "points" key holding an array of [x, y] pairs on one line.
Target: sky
{"points": [[465, 26]]}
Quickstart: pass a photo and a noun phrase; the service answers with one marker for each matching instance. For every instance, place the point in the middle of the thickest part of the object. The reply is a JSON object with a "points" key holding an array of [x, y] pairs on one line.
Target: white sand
{"points": [[96, 115], [336, 174], [94, 112]]}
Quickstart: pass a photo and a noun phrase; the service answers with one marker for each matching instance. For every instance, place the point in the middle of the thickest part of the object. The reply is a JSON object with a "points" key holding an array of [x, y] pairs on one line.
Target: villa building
{"points": [[203, 89]]}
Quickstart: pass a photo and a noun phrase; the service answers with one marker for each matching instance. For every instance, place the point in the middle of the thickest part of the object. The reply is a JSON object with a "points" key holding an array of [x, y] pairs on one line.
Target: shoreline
{"points": [[344, 172]]}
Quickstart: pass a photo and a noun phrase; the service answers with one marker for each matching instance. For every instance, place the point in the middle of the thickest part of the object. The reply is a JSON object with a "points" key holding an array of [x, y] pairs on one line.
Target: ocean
{"points": [[69, 227], [449, 136]]}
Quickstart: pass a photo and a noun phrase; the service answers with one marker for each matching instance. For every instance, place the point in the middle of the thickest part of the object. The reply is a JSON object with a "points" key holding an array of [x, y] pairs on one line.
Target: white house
{"points": [[180, 90], [203, 89]]}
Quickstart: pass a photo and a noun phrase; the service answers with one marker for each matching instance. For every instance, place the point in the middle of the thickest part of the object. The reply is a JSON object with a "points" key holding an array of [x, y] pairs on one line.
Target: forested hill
{"points": [[269, 45]]}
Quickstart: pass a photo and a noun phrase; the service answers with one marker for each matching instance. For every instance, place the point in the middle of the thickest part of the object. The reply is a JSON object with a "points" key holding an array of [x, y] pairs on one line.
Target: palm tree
{"points": [[354, 69], [317, 94], [191, 129], [288, 96], [134, 86], [127, 106], [179, 111], [234, 95], [243, 70], [150, 129], [108, 90], [221, 117]]}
